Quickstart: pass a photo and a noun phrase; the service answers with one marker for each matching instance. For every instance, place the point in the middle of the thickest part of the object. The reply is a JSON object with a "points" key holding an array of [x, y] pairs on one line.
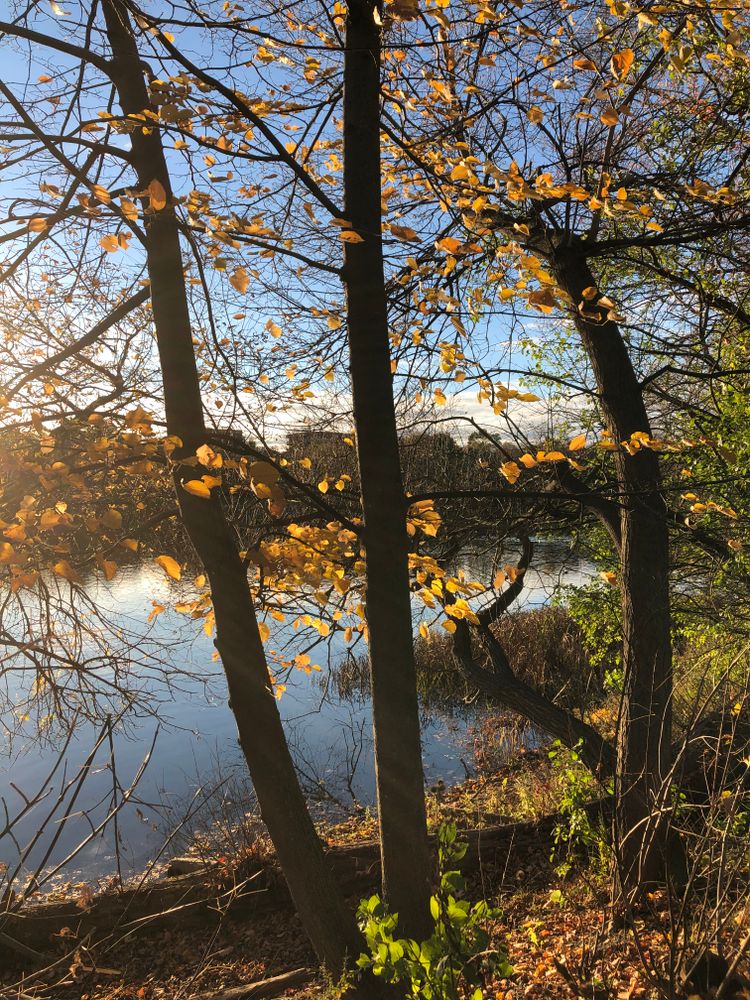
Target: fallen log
{"points": [[252, 889], [266, 988]]}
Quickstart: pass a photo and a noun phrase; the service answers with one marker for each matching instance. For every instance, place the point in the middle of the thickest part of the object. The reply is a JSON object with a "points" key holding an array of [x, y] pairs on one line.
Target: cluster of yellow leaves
{"points": [[437, 588], [423, 517]]}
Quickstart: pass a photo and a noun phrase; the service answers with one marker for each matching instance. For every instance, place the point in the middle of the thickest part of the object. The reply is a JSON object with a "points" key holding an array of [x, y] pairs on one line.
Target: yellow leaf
{"points": [[449, 243], [170, 566], [609, 577], [110, 569], [609, 117], [535, 115], [157, 196], [129, 209], [240, 280], [442, 90], [349, 236], [424, 630], [621, 62], [65, 570], [528, 460], [404, 233], [323, 486], [511, 471], [37, 225], [578, 442], [449, 626], [208, 457], [130, 543], [198, 489], [264, 631], [21, 580], [7, 552], [584, 64]]}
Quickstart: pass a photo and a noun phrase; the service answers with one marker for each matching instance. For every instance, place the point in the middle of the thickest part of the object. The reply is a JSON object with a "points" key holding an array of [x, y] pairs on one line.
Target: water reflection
{"points": [[195, 749]]}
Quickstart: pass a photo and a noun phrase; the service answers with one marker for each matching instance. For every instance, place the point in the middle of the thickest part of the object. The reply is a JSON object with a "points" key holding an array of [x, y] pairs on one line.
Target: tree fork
{"points": [[406, 862], [324, 914]]}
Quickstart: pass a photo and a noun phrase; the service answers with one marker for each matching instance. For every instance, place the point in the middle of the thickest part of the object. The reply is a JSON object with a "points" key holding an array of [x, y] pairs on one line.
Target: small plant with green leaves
{"points": [[576, 834], [456, 960]]}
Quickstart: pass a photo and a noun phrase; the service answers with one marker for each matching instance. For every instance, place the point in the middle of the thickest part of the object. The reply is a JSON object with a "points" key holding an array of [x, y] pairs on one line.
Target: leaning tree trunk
{"points": [[324, 914], [644, 744], [400, 778]]}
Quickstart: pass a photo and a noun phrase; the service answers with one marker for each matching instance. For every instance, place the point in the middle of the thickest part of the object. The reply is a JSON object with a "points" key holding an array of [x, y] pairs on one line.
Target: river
{"points": [[195, 773]]}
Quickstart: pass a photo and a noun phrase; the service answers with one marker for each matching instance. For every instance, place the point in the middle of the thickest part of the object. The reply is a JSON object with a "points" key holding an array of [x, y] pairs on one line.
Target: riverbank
{"points": [[227, 920]]}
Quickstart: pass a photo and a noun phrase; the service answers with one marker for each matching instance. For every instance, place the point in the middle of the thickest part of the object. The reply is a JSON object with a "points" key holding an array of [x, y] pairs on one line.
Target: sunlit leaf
{"points": [[170, 566], [157, 196]]}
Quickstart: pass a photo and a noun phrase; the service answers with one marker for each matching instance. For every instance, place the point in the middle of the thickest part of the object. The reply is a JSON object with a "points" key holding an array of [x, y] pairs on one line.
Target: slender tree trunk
{"points": [[325, 917], [644, 746], [400, 778]]}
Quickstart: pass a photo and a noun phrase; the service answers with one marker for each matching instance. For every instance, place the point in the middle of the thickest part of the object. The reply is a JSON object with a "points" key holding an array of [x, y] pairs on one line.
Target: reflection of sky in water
{"points": [[196, 747]]}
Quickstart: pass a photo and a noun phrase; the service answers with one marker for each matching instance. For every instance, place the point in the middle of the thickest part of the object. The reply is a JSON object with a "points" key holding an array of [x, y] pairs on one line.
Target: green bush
{"points": [[456, 958]]}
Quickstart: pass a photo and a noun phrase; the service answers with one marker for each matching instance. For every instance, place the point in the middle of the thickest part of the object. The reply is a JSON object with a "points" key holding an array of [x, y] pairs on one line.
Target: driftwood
{"points": [[253, 889], [266, 988]]}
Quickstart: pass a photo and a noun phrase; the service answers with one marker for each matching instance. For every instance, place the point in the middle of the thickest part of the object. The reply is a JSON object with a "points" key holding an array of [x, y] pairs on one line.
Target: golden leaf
{"points": [[197, 488], [65, 570], [240, 280], [170, 566], [7, 552], [511, 471], [404, 233], [208, 457], [157, 196], [112, 518], [578, 442], [448, 243], [621, 62], [349, 236]]}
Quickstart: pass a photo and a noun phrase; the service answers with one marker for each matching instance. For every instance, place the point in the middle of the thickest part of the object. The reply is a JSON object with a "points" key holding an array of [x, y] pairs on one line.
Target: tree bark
{"points": [[324, 914], [644, 744], [400, 778]]}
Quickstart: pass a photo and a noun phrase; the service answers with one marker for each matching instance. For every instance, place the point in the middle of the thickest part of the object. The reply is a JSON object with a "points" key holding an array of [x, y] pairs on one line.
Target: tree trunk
{"points": [[400, 778], [325, 917], [644, 745]]}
